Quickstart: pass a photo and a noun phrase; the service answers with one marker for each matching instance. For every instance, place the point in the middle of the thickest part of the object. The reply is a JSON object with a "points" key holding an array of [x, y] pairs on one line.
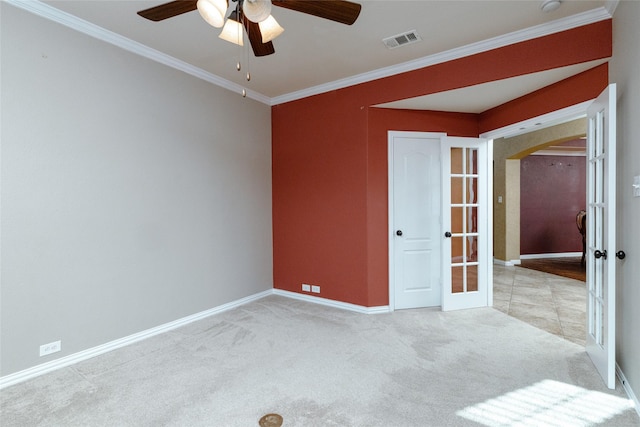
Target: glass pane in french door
{"points": [[464, 220], [595, 223]]}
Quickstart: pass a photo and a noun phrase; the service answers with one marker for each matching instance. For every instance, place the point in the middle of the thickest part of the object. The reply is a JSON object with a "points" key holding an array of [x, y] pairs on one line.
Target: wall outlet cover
{"points": [[306, 288], [315, 289], [52, 347]]}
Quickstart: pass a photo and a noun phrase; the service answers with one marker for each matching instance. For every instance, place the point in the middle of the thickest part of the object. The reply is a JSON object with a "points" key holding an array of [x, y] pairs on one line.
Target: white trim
{"points": [[332, 303], [550, 119], [51, 13], [610, 6], [53, 365], [489, 246], [44, 368], [511, 263], [56, 15], [563, 24], [627, 388], [557, 153], [552, 255]]}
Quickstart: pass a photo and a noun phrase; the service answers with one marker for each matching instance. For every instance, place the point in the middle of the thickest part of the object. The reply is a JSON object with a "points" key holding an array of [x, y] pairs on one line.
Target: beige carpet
{"points": [[319, 366]]}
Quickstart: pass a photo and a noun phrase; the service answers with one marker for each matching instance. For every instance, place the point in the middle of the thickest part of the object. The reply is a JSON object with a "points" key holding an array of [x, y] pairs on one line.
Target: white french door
{"points": [[439, 232], [466, 271], [601, 233]]}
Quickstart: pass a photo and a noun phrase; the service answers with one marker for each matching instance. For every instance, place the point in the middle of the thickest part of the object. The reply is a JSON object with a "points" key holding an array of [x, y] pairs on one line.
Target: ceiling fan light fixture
{"points": [[270, 29], [212, 11], [232, 31], [256, 10]]}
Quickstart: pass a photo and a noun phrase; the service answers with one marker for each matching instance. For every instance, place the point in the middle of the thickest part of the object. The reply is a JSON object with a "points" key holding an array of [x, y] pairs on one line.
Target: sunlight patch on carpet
{"points": [[549, 403]]}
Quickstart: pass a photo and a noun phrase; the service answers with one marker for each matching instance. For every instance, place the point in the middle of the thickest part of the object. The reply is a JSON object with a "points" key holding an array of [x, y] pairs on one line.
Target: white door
{"points": [[466, 269], [601, 234], [414, 220]]}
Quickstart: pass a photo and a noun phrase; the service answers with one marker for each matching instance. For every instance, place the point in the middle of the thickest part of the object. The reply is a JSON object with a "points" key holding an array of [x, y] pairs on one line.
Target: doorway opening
{"points": [[535, 224]]}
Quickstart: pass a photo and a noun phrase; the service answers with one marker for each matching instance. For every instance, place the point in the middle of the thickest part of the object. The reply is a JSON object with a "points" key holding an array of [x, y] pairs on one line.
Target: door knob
{"points": [[399, 232], [621, 254], [447, 234], [599, 254]]}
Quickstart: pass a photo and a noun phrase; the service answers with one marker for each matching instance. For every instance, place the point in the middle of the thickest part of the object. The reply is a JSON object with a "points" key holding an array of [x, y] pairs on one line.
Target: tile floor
{"points": [[553, 303]]}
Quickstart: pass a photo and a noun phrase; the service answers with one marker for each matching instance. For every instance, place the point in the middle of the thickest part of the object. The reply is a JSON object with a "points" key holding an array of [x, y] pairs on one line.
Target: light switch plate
{"points": [[636, 186]]}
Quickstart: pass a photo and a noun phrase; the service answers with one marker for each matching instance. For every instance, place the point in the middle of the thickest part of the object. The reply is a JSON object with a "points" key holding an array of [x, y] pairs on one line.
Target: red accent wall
{"points": [[380, 122], [330, 160], [552, 191], [319, 196], [571, 91]]}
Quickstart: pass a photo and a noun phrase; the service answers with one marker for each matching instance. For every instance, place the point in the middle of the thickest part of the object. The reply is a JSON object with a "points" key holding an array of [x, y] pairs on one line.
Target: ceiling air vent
{"points": [[402, 39]]}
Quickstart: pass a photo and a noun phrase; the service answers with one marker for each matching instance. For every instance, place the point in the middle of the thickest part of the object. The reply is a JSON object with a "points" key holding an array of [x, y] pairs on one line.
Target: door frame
{"points": [[390, 145]]}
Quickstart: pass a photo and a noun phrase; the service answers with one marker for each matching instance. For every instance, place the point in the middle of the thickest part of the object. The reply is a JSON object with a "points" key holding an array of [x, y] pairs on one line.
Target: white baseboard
{"points": [[627, 388], [53, 365], [332, 303], [507, 263], [556, 255], [35, 371], [536, 256]]}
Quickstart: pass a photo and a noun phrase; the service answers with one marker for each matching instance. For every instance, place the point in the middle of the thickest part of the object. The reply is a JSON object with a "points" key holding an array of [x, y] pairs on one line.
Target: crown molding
{"points": [[611, 6], [51, 13], [48, 12], [574, 21]]}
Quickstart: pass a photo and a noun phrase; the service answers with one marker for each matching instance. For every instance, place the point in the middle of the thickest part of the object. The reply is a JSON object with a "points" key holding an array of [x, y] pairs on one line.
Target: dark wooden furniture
{"points": [[581, 222]]}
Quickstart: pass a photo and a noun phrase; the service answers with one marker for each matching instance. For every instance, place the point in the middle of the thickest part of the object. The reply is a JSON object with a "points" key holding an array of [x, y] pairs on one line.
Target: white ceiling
{"points": [[479, 98], [314, 53]]}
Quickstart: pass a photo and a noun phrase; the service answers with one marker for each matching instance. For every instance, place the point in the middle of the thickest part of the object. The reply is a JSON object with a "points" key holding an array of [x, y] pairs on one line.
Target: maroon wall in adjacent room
{"points": [[552, 191]]}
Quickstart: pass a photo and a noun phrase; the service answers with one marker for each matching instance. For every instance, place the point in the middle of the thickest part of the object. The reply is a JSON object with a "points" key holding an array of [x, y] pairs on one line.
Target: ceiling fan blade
{"points": [[255, 37], [342, 11], [169, 10]]}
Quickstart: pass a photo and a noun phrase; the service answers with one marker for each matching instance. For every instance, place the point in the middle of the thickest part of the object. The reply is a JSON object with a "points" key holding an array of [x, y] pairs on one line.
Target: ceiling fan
{"points": [[254, 16]]}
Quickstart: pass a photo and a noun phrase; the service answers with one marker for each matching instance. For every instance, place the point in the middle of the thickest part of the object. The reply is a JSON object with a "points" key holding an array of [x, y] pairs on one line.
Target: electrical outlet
{"points": [[315, 289], [306, 288], [52, 347], [636, 186]]}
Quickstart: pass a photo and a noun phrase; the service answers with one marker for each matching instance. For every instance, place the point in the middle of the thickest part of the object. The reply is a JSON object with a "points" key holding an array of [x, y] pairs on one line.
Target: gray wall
{"points": [[624, 70], [132, 194]]}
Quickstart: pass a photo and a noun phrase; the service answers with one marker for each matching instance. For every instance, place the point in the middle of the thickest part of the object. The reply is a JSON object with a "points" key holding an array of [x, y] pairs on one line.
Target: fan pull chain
{"points": [[244, 48], [246, 58], [246, 51]]}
